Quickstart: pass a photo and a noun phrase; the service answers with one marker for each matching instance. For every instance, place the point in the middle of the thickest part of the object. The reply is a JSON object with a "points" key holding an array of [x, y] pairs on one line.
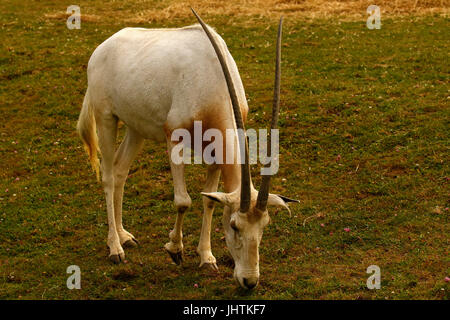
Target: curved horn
{"points": [[263, 194], [245, 168]]}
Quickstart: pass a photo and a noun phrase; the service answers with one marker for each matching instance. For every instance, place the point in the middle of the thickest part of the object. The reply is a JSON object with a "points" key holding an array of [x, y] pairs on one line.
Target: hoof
{"points": [[210, 266], [132, 243], [176, 257], [115, 258]]}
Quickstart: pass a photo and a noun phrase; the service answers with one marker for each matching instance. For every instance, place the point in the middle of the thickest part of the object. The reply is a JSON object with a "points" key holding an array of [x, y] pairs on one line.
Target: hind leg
{"points": [[129, 148], [182, 202], [107, 132]]}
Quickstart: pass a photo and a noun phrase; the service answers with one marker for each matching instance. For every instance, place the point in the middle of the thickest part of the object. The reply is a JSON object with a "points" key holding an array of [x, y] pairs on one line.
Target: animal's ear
{"points": [[221, 197], [280, 201]]}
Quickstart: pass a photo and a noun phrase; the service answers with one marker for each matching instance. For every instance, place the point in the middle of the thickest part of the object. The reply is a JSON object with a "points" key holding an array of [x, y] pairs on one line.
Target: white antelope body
{"points": [[157, 81]]}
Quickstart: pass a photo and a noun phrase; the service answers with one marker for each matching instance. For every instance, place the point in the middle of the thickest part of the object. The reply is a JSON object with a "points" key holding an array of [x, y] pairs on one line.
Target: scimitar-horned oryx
{"points": [[159, 80]]}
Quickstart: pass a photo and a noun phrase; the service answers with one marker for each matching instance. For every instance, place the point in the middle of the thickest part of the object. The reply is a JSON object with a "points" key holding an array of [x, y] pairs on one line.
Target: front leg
{"points": [[204, 245], [182, 202]]}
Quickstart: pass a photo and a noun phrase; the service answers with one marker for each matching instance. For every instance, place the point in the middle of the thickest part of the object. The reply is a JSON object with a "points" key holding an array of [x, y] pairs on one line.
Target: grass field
{"points": [[364, 146]]}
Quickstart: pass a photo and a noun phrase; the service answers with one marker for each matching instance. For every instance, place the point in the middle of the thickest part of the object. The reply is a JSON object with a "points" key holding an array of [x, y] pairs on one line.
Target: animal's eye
{"points": [[233, 226]]}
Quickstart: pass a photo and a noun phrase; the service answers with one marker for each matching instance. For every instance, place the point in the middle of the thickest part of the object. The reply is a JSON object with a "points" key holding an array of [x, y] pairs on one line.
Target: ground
{"points": [[364, 146]]}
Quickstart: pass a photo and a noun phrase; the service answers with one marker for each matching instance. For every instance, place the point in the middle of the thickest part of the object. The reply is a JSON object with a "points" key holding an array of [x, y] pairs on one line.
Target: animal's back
{"points": [[148, 77]]}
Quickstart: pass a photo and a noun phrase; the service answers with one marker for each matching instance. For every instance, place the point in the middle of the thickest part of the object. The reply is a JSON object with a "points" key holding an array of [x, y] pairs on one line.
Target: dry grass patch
{"points": [[344, 9], [62, 15]]}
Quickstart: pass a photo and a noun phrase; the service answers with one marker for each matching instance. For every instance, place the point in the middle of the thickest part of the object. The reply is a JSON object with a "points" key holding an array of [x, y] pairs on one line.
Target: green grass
{"points": [[364, 145]]}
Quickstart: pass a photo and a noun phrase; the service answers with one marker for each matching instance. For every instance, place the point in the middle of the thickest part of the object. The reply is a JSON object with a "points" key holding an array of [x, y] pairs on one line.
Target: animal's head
{"points": [[246, 212], [244, 224]]}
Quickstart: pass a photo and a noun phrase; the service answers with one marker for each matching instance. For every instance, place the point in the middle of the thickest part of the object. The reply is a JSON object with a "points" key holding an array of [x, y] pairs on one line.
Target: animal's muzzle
{"points": [[250, 282]]}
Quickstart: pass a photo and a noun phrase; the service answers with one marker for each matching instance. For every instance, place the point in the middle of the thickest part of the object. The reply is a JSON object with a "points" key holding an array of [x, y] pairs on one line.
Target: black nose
{"points": [[250, 284]]}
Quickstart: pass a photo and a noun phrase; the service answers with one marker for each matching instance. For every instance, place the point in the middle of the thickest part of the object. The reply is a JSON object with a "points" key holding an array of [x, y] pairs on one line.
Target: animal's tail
{"points": [[86, 128]]}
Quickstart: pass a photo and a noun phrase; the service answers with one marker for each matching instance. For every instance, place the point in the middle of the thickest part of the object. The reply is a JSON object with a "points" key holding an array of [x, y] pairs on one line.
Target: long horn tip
{"points": [[195, 13]]}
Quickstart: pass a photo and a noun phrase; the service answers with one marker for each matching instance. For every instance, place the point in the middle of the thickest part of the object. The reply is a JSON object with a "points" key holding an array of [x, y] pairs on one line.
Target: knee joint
{"points": [[182, 203], [209, 204], [107, 181], [120, 177]]}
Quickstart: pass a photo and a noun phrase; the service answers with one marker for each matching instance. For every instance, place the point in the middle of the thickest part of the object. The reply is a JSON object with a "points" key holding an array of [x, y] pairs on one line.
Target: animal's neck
{"points": [[231, 171], [231, 174]]}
